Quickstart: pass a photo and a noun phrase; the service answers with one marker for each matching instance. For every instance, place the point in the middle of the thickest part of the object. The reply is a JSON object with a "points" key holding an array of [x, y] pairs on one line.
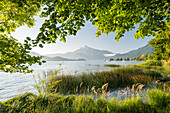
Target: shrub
{"points": [[152, 63]]}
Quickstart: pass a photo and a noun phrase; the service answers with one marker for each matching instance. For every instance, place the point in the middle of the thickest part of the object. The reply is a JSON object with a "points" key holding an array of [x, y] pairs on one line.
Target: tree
{"points": [[111, 59], [66, 17], [150, 57], [14, 56], [161, 44]]}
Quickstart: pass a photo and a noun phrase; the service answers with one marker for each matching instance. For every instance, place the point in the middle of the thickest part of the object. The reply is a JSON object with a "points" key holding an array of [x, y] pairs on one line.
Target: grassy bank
{"points": [[152, 63], [158, 66], [118, 78], [156, 102]]}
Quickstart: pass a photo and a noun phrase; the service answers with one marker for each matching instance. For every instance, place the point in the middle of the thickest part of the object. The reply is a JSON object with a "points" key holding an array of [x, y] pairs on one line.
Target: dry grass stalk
{"points": [[140, 86], [56, 89], [104, 87], [81, 84], [118, 94], [99, 90], [108, 93], [133, 87], [88, 90], [137, 84], [93, 89], [77, 89], [157, 81]]}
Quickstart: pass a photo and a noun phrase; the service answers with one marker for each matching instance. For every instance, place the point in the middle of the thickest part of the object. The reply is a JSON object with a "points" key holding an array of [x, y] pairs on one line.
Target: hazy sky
{"points": [[86, 36]]}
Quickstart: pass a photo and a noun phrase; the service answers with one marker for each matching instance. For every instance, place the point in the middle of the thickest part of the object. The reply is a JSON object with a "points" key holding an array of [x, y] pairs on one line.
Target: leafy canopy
{"points": [[66, 17], [161, 44], [14, 56]]}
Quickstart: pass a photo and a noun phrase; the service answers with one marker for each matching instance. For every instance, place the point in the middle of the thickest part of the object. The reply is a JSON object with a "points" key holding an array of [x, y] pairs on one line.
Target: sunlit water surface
{"points": [[17, 83]]}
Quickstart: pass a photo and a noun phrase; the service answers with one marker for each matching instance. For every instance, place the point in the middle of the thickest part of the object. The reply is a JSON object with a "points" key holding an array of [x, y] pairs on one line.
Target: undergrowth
{"points": [[157, 102]]}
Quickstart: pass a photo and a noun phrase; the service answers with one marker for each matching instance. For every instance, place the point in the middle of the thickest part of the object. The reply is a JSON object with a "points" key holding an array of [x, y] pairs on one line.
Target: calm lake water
{"points": [[14, 84]]}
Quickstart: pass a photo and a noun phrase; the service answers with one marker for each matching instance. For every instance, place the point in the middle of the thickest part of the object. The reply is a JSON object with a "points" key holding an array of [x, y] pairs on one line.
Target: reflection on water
{"points": [[18, 83]]}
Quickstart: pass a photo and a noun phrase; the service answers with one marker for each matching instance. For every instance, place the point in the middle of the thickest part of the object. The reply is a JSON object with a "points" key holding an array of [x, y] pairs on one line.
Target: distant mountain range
{"points": [[57, 58], [85, 52], [88, 53], [135, 53]]}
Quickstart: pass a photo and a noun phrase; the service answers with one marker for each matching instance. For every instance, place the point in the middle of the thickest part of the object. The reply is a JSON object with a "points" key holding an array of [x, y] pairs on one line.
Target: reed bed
{"points": [[118, 78]]}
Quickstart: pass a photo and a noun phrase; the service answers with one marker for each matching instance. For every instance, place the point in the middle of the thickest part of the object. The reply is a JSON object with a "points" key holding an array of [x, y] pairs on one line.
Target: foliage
{"points": [[152, 63], [167, 67], [150, 57], [14, 56], [143, 57], [14, 14], [161, 44], [29, 102], [66, 17]]}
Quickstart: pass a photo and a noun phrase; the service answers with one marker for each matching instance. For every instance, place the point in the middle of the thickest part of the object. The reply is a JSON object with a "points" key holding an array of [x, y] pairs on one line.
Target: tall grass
{"points": [[159, 99], [157, 102], [167, 68], [118, 78]]}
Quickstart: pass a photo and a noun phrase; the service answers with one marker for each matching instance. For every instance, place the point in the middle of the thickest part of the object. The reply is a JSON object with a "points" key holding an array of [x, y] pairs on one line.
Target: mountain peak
{"points": [[85, 46]]}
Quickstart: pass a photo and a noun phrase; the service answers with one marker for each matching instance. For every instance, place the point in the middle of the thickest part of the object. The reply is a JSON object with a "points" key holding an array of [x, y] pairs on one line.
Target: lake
{"points": [[18, 83]]}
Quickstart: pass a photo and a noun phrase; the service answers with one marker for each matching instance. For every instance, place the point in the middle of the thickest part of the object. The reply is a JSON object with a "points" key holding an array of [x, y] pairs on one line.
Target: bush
{"points": [[153, 63]]}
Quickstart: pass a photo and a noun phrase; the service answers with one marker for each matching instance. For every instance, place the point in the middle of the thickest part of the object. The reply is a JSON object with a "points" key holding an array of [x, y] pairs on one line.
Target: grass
{"points": [[157, 101], [167, 68], [162, 67], [152, 63], [118, 78], [112, 65], [165, 86]]}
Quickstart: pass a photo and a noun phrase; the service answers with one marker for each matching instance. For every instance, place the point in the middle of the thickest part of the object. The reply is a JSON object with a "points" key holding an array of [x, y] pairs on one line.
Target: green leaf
{"points": [[40, 45]]}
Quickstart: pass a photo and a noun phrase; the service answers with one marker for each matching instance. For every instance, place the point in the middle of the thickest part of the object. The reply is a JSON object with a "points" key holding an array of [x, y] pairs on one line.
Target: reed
{"points": [[118, 78]]}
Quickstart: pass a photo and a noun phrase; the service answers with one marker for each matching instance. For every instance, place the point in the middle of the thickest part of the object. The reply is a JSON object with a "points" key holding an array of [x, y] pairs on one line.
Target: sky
{"points": [[85, 37]]}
